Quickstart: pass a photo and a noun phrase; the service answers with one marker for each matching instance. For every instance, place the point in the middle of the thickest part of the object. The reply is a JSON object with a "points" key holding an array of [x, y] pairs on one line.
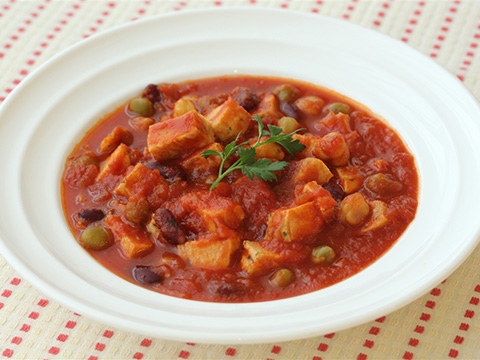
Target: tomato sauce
{"points": [[350, 193]]}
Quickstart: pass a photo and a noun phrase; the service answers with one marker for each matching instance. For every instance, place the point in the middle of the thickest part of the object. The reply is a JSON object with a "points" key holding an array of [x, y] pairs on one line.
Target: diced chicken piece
{"points": [[141, 180], [312, 169], [134, 242], [117, 136], [141, 123], [228, 120], [294, 224], [330, 148], [353, 209], [209, 251], [182, 106], [170, 138], [313, 192], [349, 178], [215, 211], [116, 163], [257, 260], [268, 109], [378, 218], [196, 164], [270, 151]]}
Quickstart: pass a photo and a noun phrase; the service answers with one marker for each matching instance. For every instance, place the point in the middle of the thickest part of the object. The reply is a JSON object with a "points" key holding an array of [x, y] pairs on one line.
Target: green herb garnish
{"points": [[262, 168]]}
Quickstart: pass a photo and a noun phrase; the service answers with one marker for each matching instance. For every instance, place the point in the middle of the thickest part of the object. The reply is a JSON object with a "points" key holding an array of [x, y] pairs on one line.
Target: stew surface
{"points": [[137, 189]]}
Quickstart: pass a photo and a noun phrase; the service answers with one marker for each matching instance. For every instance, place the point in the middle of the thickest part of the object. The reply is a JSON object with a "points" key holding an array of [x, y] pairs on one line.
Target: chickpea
{"points": [[323, 254], [353, 209], [281, 278], [182, 106], [141, 122], [288, 124], [311, 105]]}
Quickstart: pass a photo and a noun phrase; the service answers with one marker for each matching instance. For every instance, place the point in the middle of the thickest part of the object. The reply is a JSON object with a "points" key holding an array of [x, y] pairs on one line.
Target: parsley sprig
{"points": [[262, 168]]}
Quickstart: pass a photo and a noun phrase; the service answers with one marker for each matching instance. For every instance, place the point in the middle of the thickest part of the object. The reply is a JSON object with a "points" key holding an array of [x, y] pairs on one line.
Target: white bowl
{"points": [[50, 111]]}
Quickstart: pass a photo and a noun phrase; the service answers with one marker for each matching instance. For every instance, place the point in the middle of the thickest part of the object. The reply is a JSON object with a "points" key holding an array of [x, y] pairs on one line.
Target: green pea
{"points": [[281, 278], [96, 238], [323, 255], [339, 107], [142, 106], [286, 93]]}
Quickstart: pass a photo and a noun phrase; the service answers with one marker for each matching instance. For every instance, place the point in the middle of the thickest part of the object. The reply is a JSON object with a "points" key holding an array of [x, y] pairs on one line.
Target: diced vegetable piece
{"points": [[197, 164], [182, 106], [378, 218], [282, 278], [96, 238], [137, 210], [116, 163], [228, 120], [339, 107], [134, 242], [382, 185], [339, 122], [142, 106], [294, 224], [272, 151], [169, 139], [323, 255], [311, 105], [312, 169], [353, 209], [117, 136], [141, 122], [330, 148], [257, 260], [141, 180], [209, 251], [350, 179], [82, 170], [288, 124], [286, 92]]}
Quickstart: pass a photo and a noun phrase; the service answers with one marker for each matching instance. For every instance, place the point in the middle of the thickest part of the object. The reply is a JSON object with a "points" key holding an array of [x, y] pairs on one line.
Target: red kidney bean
{"points": [[171, 173], [145, 275], [169, 227], [245, 97], [290, 110], [91, 214]]}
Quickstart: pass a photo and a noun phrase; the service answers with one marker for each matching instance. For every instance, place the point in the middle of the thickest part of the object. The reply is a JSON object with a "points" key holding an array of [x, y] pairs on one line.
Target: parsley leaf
{"points": [[247, 162]]}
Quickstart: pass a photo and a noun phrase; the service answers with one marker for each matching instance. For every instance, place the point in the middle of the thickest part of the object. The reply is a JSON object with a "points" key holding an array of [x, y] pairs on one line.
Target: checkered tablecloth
{"points": [[443, 324]]}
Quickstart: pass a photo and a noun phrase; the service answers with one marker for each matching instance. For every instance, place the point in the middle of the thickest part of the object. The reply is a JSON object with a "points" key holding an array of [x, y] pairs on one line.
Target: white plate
{"points": [[50, 111]]}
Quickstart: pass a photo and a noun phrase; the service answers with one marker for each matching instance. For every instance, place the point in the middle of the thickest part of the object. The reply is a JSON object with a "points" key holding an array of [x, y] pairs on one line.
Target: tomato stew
{"points": [[136, 189]]}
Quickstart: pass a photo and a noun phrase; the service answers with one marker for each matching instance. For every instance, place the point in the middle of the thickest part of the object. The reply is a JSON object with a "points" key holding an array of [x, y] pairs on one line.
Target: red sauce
{"points": [[385, 177]]}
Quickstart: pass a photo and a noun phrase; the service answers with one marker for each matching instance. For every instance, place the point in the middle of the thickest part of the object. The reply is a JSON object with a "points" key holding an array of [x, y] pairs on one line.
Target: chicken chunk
{"points": [[294, 224], [257, 260], [134, 242], [140, 180], [116, 163], [209, 251], [312, 169], [170, 138], [228, 120]]}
